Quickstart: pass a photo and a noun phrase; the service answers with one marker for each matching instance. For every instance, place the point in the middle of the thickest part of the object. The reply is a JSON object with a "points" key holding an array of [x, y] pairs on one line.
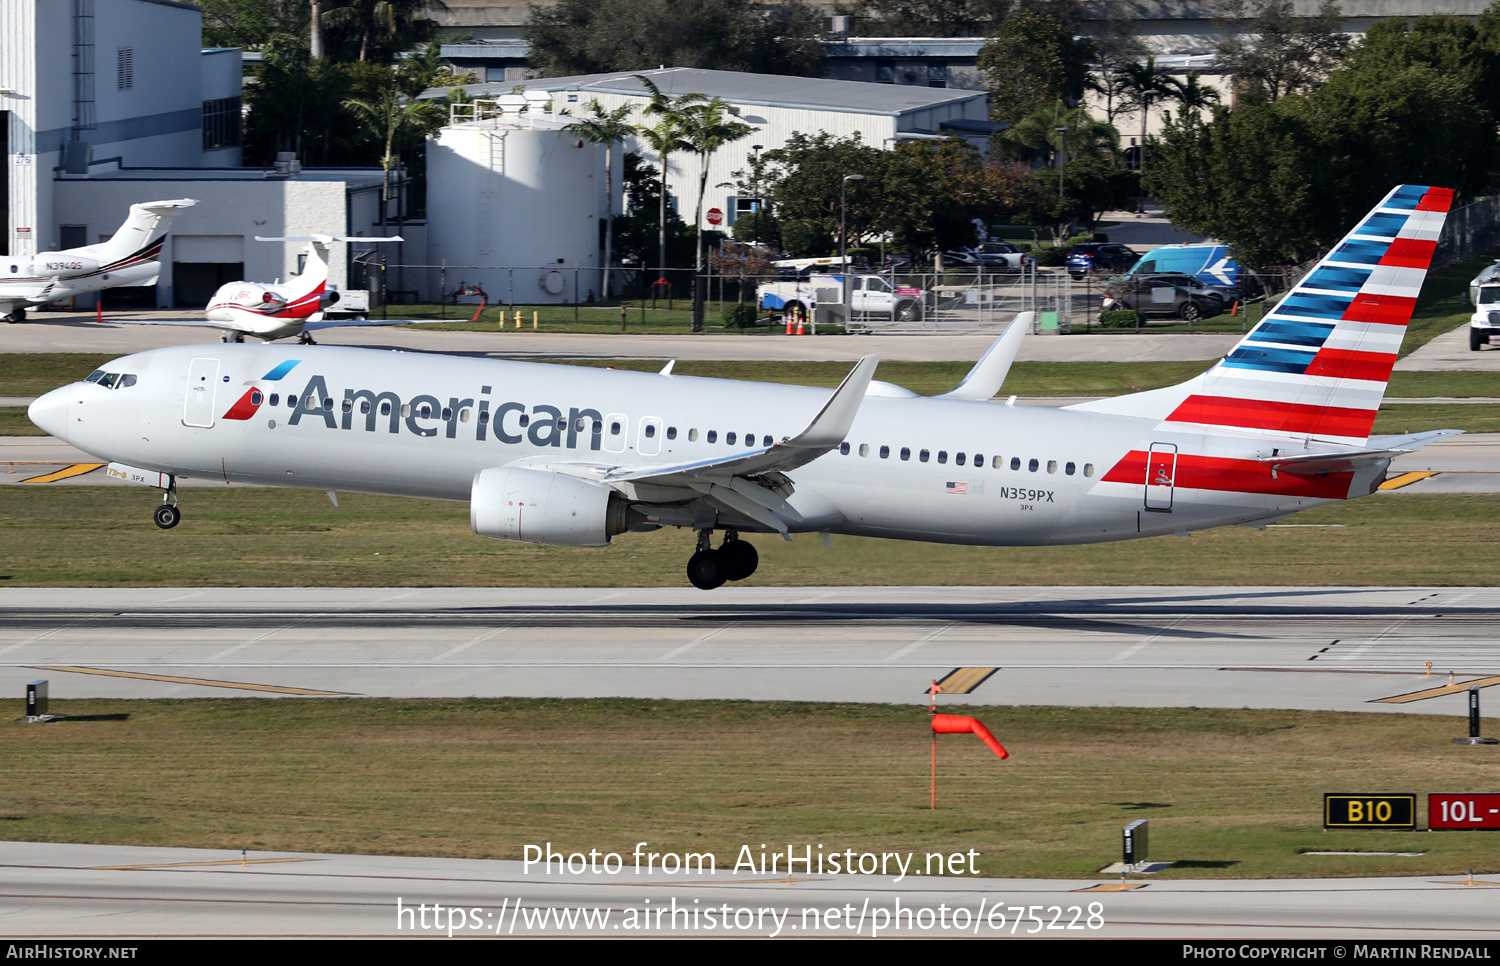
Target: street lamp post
{"points": [[755, 175], [844, 240], [1062, 171]]}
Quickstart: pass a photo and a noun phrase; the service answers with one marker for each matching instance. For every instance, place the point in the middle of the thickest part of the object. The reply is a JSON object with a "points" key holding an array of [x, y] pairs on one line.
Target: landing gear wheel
{"points": [[305, 338], [16, 315], [706, 570], [1477, 339], [167, 516], [739, 558]]}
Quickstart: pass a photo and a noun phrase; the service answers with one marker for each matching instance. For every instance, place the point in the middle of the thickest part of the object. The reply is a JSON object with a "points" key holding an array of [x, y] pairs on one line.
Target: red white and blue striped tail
{"points": [[1318, 364]]}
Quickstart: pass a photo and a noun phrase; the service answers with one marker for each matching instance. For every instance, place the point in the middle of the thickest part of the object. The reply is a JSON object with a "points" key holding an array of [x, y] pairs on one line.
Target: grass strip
{"points": [[93, 536], [1230, 793]]}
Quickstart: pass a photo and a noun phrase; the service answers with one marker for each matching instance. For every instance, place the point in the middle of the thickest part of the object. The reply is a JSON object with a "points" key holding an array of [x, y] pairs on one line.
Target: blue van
{"points": [[1210, 264]]}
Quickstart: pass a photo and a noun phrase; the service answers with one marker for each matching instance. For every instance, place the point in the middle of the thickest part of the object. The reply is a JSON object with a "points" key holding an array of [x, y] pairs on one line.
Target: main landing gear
{"points": [[305, 338], [232, 337], [734, 560], [167, 515]]}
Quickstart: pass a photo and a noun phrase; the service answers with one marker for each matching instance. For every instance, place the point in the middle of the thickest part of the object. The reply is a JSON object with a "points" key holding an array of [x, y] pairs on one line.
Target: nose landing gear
{"points": [[305, 338], [734, 560], [167, 515]]}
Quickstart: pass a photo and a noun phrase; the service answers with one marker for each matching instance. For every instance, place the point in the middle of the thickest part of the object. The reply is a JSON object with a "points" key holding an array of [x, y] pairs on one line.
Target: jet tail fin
{"points": [[140, 238], [1317, 365]]}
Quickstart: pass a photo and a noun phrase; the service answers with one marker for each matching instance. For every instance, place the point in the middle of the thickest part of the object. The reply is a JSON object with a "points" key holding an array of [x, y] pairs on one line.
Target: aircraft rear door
{"points": [[202, 382], [1161, 472]]}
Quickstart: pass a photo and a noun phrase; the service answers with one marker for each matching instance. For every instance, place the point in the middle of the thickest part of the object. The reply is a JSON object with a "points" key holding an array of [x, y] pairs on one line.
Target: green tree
{"points": [[1090, 188], [398, 122], [1145, 83], [375, 31], [1036, 138], [1272, 52], [604, 36], [1035, 59], [607, 128], [934, 191], [803, 180], [705, 127], [664, 138]]}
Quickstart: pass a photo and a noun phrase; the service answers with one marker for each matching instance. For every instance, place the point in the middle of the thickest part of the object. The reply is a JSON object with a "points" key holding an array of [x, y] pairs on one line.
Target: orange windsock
{"points": [[954, 724]]}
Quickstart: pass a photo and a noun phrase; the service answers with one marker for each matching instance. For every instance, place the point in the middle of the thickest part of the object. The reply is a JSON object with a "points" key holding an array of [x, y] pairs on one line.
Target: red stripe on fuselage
{"points": [[1352, 364], [1233, 476], [1409, 253], [1289, 418]]}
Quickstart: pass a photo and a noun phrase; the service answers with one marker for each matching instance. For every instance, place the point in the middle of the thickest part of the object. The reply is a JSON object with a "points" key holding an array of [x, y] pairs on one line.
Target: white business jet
{"points": [[576, 456], [129, 258], [278, 310]]}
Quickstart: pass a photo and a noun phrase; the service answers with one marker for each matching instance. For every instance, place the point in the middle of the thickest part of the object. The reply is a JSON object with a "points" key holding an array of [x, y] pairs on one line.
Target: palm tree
{"points": [[606, 128], [1143, 82], [1192, 97], [664, 138], [1037, 137], [706, 128]]}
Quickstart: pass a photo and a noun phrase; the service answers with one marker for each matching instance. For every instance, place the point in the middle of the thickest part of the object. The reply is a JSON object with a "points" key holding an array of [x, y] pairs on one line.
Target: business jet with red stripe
{"points": [[131, 257], [281, 310], [577, 456]]}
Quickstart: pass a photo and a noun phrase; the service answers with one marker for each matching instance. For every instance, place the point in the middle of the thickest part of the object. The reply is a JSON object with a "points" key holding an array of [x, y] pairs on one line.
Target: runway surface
{"points": [[1313, 648], [75, 891]]}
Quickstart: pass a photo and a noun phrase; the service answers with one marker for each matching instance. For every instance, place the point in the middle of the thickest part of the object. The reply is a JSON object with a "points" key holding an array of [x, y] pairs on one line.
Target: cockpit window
{"points": [[112, 380]]}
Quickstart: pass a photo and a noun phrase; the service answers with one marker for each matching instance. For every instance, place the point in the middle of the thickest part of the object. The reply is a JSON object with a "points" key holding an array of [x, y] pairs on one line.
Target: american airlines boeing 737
{"points": [[576, 456]]}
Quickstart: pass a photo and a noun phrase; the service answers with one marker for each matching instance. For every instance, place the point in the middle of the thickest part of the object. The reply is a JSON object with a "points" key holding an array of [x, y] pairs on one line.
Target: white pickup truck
{"points": [[1484, 296], [868, 295]]}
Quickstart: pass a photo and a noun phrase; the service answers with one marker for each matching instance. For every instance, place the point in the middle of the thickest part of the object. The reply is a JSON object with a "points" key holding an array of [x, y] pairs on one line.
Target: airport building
{"points": [[777, 106], [105, 103]]}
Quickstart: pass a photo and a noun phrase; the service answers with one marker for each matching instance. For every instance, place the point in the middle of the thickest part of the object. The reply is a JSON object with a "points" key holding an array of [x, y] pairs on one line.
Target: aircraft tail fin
{"points": [[1318, 363], [141, 237]]}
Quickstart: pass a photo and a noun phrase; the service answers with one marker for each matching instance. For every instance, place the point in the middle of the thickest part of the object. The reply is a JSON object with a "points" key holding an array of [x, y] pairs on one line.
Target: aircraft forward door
{"points": [[1161, 474], [202, 382]]}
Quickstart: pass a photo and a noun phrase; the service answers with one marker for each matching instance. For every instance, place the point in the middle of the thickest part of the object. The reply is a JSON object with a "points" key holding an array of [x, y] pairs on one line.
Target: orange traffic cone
{"points": [[789, 323], [801, 326]]}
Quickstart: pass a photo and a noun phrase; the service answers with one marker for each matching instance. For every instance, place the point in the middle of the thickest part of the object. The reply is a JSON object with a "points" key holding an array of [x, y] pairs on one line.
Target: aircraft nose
{"points": [[50, 412]]}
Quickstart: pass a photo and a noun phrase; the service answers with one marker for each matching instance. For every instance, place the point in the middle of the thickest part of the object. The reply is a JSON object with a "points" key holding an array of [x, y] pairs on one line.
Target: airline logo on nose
{"points": [[247, 404]]}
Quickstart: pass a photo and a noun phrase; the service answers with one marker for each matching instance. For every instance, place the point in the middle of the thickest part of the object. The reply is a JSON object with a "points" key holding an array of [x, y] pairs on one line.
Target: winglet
{"points": [[829, 427], [988, 374]]}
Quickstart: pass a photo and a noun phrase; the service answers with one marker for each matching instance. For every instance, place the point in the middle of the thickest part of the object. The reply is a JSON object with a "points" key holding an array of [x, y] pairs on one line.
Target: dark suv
{"points": [[1109, 257], [1165, 296]]}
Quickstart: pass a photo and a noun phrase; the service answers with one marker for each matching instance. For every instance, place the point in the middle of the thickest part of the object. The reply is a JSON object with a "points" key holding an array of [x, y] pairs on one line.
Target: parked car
{"points": [[1165, 296], [1109, 257], [1004, 255]]}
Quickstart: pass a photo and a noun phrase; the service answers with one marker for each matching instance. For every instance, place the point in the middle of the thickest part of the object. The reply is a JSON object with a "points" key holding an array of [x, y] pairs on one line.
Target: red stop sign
{"points": [[715, 216]]}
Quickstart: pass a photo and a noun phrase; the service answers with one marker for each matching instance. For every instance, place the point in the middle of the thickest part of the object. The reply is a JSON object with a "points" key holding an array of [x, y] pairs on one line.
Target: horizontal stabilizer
{"points": [[988, 374], [1343, 461], [326, 239]]}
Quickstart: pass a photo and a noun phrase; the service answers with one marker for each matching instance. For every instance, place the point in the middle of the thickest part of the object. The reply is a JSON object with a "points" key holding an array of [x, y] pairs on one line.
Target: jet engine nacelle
{"points": [[535, 506]]}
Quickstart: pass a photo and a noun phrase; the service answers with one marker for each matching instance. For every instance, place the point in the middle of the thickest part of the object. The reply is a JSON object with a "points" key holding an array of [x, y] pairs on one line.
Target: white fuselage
{"points": [[411, 424], [37, 279]]}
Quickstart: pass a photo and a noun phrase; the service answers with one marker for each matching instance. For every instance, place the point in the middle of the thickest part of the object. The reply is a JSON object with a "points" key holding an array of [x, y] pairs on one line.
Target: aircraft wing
{"points": [[193, 323], [750, 482], [339, 323], [1344, 460]]}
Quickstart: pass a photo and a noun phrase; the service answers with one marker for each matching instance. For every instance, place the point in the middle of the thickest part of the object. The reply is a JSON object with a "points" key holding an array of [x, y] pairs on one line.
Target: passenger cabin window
{"points": [[885, 452], [843, 449], [906, 452], [713, 435], [958, 458], [1088, 469], [1070, 468], [998, 462], [942, 456], [923, 456], [1015, 462], [692, 436], [729, 438], [650, 430], [671, 432], [1033, 465]]}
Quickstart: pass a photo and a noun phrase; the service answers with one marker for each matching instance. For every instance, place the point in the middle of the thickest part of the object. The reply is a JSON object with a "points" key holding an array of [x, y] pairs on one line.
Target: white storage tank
{"points": [[514, 206]]}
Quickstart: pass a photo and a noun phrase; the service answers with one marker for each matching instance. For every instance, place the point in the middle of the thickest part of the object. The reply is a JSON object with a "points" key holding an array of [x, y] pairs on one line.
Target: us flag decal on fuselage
{"points": [[957, 489]]}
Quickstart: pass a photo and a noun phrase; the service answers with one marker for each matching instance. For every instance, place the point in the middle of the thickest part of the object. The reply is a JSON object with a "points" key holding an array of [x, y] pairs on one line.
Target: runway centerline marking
{"points": [[172, 679], [468, 644], [692, 644], [183, 865], [916, 644]]}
